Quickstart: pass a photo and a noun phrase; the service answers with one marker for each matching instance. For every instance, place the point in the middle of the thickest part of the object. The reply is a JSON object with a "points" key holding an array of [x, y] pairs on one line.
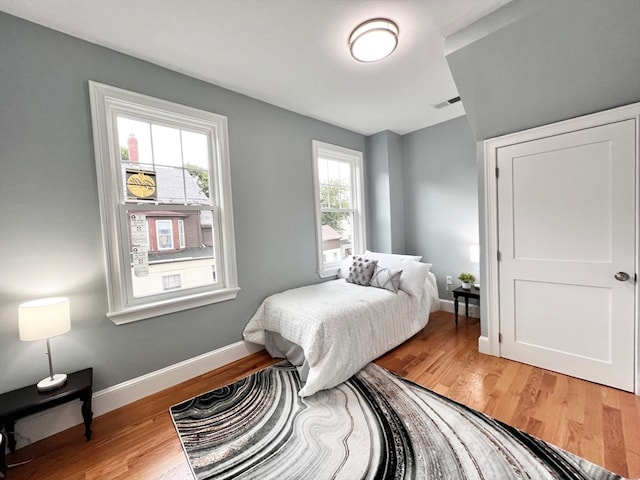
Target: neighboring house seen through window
{"points": [[339, 201], [165, 198]]}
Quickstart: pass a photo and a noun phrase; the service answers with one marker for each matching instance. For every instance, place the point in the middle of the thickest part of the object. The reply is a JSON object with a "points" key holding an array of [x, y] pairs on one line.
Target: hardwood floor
{"points": [[139, 441]]}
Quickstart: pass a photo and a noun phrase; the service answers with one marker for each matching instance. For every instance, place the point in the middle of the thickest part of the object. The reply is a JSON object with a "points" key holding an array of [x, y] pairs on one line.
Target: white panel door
{"points": [[566, 226]]}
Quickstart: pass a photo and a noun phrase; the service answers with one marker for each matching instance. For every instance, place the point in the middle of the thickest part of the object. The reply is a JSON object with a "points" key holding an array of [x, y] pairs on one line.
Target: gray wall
{"points": [[535, 62], [441, 207], [385, 193], [556, 60], [50, 240], [396, 187], [378, 193]]}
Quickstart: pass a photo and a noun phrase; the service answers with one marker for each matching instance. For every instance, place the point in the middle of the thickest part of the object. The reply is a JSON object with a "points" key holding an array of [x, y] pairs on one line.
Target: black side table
{"points": [[27, 401], [467, 294]]}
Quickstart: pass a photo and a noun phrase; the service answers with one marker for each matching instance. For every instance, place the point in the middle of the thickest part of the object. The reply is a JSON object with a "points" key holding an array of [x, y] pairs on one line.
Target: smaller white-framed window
{"points": [[338, 183]]}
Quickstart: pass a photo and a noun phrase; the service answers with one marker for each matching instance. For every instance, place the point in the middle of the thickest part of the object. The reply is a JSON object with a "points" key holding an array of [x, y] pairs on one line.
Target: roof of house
{"points": [[174, 186], [329, 233]]}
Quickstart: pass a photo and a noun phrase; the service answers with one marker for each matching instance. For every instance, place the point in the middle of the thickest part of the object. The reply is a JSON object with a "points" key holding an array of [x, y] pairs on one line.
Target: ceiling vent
{"points": [[446, 103]]}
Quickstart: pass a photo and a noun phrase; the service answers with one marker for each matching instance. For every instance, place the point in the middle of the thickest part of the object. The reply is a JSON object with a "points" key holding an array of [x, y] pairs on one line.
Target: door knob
{"points": [[622, 276]]}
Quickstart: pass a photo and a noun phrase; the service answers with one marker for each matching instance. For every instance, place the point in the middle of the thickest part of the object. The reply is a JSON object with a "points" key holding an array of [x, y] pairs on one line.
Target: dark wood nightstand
{"points": [[467, 294], [27, 401]]}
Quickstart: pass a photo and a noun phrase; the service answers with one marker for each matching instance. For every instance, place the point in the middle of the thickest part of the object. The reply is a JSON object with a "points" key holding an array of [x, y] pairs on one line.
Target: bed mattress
{"points": [[339, 326]]}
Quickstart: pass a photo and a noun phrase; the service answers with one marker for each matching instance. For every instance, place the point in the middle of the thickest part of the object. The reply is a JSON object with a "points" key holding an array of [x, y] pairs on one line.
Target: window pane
{"points": [[347, 187], [337, 236], [134, 138], [323, 170], [167, 149], [195, 149], [333, 169], [196, 182], [171, 185], [139, 182], [335, 187], [179, 243]]}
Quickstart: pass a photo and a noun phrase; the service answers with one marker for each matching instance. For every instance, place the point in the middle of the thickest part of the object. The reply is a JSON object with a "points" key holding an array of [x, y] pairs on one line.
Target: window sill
{"points": [[329, 272], [150, 310]]}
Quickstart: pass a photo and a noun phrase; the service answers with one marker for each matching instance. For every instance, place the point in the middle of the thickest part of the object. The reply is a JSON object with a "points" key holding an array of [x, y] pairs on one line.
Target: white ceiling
{"points": [[290, 53]]}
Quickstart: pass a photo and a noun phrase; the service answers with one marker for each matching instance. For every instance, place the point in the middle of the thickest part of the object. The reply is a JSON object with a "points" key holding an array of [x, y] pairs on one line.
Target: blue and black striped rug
{"points": [[374, 426]]}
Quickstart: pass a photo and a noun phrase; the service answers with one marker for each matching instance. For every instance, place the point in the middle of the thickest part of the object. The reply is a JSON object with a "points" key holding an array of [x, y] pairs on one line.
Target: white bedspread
{"points": [[340, 326]]}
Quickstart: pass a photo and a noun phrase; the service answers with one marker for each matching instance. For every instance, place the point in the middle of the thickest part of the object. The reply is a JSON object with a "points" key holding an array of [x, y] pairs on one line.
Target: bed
{"points": [[332, 329]]}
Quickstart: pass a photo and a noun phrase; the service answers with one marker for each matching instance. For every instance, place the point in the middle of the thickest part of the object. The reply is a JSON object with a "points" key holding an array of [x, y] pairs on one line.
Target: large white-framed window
{"points": [[338, 181], [164, 184]]}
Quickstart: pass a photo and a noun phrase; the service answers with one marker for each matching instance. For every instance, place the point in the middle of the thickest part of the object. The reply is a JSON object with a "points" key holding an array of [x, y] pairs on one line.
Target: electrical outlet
{"points": [[449, 281]]}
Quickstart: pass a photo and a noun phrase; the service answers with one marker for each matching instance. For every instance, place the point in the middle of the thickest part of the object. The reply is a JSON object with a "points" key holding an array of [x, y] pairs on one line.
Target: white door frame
{"points": [[491, 297]]}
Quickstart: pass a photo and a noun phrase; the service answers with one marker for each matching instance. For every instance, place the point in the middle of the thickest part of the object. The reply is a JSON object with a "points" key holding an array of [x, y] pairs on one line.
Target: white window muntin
{"points": [[106, 103], [354, 158]]}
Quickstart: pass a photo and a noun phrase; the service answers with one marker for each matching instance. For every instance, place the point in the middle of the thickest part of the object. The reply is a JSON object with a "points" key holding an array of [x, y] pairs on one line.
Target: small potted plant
{"points": [[467, 280]]}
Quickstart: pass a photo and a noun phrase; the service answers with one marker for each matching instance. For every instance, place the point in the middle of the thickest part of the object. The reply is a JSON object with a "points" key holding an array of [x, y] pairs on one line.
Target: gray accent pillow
{"points": [[361, 271], [386, 278]]}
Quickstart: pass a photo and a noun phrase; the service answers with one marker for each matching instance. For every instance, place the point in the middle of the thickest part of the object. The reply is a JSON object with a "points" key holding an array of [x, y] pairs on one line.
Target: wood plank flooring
{"points": [[139, 441]]}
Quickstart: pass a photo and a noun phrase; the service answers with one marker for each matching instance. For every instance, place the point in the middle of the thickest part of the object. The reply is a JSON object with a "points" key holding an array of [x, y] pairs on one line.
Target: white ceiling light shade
{"points": [[373, 40]]}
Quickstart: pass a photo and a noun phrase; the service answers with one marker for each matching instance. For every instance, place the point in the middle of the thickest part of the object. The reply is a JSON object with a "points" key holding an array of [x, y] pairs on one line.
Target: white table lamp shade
{"points": [[43, 318]]}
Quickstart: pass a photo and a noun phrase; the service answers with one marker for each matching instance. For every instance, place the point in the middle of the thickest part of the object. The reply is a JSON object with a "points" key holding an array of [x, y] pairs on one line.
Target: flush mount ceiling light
{"points": [[373, 40]]}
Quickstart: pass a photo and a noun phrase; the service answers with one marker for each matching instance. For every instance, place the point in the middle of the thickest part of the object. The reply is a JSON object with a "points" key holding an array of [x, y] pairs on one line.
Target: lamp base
{"points": [[46, 384]]}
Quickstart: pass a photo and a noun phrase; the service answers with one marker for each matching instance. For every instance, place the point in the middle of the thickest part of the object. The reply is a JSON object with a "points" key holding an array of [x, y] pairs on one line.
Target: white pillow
{"points": [[391, 260], [344, 268], [361, 271], [414, 274], [386, 278]]}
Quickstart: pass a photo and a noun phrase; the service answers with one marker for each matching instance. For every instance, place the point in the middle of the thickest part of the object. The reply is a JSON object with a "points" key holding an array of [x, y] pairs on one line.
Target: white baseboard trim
{"points": [[56, 419], [483, 345], [447, 306]]}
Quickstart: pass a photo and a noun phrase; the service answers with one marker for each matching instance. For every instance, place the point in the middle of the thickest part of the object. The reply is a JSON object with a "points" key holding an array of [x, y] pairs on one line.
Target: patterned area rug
{"points": [[374, 426]]}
